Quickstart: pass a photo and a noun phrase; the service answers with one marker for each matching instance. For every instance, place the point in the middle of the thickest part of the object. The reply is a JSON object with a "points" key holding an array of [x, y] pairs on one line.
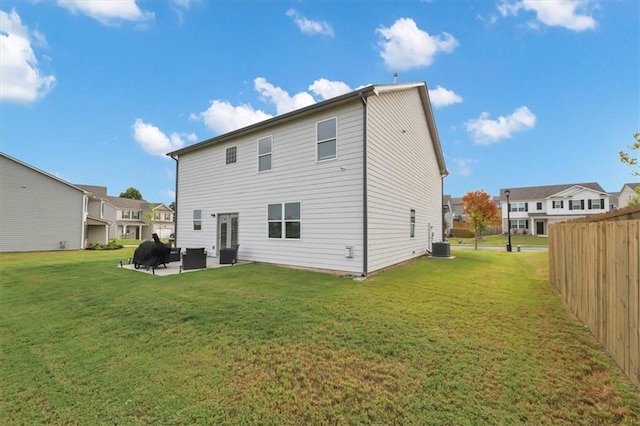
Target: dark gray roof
{"points": [[446, 199], [127, 203], [98, 191], [541, 192], [632, 185]]}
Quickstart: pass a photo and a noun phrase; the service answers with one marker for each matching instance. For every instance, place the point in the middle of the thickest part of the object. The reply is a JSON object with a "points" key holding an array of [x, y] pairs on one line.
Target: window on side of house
{"points": [[284, 221], [596, 204], [557, 204], [230, 155], [135, 215], [327, 139], [576, 204], [126, 214], [197, 220], [519, 224], [519, 207], [412, 223], [167, 217], [539, 206], [264, 153]]}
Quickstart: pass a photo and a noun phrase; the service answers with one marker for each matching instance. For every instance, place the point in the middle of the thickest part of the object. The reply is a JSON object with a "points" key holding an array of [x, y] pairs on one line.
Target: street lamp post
{"points": [[507, 193]]}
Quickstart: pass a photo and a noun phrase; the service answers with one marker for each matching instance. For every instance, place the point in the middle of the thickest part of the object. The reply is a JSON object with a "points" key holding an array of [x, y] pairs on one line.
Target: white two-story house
{"points": [[350, 184], [532, 209]]}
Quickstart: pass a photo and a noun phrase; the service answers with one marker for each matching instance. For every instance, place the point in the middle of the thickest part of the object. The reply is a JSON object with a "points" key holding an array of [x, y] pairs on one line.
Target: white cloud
{"points": [[155, 142], [329, 89], [441, 97], [20, 77], [280, 97], [307, 26], [574, 15], [462, 166], [107, 12], [405, 46], [486, 131], [222, 117]]}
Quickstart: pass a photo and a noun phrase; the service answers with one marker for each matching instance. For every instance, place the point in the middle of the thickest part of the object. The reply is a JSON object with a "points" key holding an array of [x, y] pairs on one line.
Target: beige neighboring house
{"points": [[132, 223], [627, 192], [41, 212]]}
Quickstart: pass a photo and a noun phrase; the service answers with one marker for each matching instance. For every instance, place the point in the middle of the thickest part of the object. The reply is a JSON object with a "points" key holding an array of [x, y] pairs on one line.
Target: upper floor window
{"points": [[284, 219], [519, 207], [412, 223], [558, 204], [135, 215], [167, 216], [597, 203], [264, 153], [126, 214], [231, 155], [539, 206], [197, 220], [576, 205], [102, 209], [326, 139]]}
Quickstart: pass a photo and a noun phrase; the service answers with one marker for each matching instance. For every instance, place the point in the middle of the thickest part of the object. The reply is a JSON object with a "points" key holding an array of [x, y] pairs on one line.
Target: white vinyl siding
{"points": [[403, 174], [330, 193], [37, 211]]}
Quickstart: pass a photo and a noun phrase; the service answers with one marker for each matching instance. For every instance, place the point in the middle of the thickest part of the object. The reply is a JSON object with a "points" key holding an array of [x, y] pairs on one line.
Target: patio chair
{"points": [[174, 254], [194, 258], [229, 256]]}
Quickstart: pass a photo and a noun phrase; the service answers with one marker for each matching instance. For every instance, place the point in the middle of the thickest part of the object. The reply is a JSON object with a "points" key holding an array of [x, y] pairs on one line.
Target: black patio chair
{"points": [[229, 256], [194, 258]]}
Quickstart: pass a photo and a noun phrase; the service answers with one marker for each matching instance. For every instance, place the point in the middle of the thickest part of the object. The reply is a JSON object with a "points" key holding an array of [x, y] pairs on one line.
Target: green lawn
{"points": [[482, 339], [501, 240]]}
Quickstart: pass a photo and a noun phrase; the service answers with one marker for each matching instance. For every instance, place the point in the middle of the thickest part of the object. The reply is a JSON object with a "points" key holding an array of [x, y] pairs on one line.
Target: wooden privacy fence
{"points": [[595, 265]]}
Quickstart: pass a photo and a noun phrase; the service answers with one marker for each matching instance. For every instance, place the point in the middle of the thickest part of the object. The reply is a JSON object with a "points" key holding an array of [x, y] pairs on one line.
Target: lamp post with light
{"points": [[507, 193]]}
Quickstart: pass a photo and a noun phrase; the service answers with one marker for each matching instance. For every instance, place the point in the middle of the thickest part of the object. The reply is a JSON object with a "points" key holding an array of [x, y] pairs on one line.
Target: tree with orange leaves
{"points": [[480, 210]]}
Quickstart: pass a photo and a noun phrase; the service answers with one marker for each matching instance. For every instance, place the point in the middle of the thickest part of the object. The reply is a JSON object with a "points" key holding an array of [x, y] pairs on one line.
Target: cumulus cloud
{"points": [[155, 142], [222, 117], [485, 131], [441, 97], [280, 97], [405, 46], [308, 26], [329, 89], [21, 80], [107, 12], [574, 15], [462, 166]]}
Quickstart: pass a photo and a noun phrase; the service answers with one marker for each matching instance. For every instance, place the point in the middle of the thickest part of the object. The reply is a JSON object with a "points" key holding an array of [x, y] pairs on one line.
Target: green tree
{"points": [[628, 158], [480, 210], [131, 193], [149, 216]]}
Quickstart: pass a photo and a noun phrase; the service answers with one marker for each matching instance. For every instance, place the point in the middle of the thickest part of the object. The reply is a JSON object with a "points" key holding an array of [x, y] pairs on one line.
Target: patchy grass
{"points": [[85, 342], [501, 240]]}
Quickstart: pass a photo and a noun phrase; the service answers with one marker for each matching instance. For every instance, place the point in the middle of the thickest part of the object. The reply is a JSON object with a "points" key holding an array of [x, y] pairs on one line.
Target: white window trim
{"points": [[283, 221], [193, 220], [325, 140], [412, 224], [258, 155], [235, 162]]}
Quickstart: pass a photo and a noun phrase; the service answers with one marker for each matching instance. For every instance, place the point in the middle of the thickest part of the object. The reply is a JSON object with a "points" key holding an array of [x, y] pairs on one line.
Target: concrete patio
{"points": [[174, 268]]}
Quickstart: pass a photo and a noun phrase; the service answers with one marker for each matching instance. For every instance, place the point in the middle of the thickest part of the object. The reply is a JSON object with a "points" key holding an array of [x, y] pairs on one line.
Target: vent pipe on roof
{"points": [[395, 78]]}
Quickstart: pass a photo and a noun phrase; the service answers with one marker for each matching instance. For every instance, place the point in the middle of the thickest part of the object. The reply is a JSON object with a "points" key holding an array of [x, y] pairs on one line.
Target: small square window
{"points": [[231, 155]]}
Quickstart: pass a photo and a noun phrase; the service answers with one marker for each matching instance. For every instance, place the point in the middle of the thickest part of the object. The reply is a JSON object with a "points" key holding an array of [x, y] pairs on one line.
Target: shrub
{"points": [[112, 245]]}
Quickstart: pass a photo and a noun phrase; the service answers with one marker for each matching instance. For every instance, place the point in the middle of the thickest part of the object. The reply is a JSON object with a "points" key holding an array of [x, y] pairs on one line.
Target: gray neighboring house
{"points": [[532, 209], [131, 222], [350, 184], [41, 212], [627, 192]]}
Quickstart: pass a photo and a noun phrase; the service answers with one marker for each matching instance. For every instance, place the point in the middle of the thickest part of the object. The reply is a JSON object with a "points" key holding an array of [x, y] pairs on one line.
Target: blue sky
{"points": [[525, 92]]}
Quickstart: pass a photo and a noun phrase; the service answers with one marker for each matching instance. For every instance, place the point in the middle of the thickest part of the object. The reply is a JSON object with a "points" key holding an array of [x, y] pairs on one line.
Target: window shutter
{"points": [[581, 204], [561, 204], [570, 205], [526, 207], [602, 203], [589, 204], [526, 224]]}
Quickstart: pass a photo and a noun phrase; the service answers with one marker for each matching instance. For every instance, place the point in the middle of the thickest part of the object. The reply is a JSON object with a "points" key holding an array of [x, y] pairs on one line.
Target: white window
{"points": [[284, 221], [135, 215], [167, 217], [558, 204], [230, 155], [126, 214], [264, 153], [326, 139], [519, 224], [597, 203], [412, 223], [576, 205], [197, 220], [102, 210], [519, 207]]}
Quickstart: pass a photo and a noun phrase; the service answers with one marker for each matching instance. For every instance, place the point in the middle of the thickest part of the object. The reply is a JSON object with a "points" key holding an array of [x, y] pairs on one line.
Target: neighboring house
{"points": [[447, 208], [40, 212], [458, 210], [132, 221], [100, 211], [352, 184], [533, 209], [627, 193]]}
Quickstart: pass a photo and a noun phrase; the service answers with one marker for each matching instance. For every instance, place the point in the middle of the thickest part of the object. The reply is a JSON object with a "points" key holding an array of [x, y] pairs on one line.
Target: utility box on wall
{"points": [[348, 252]]}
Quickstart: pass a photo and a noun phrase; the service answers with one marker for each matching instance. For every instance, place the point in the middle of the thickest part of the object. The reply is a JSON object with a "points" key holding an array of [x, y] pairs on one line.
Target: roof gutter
{"points": [[365, 207], [175, 212]]}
